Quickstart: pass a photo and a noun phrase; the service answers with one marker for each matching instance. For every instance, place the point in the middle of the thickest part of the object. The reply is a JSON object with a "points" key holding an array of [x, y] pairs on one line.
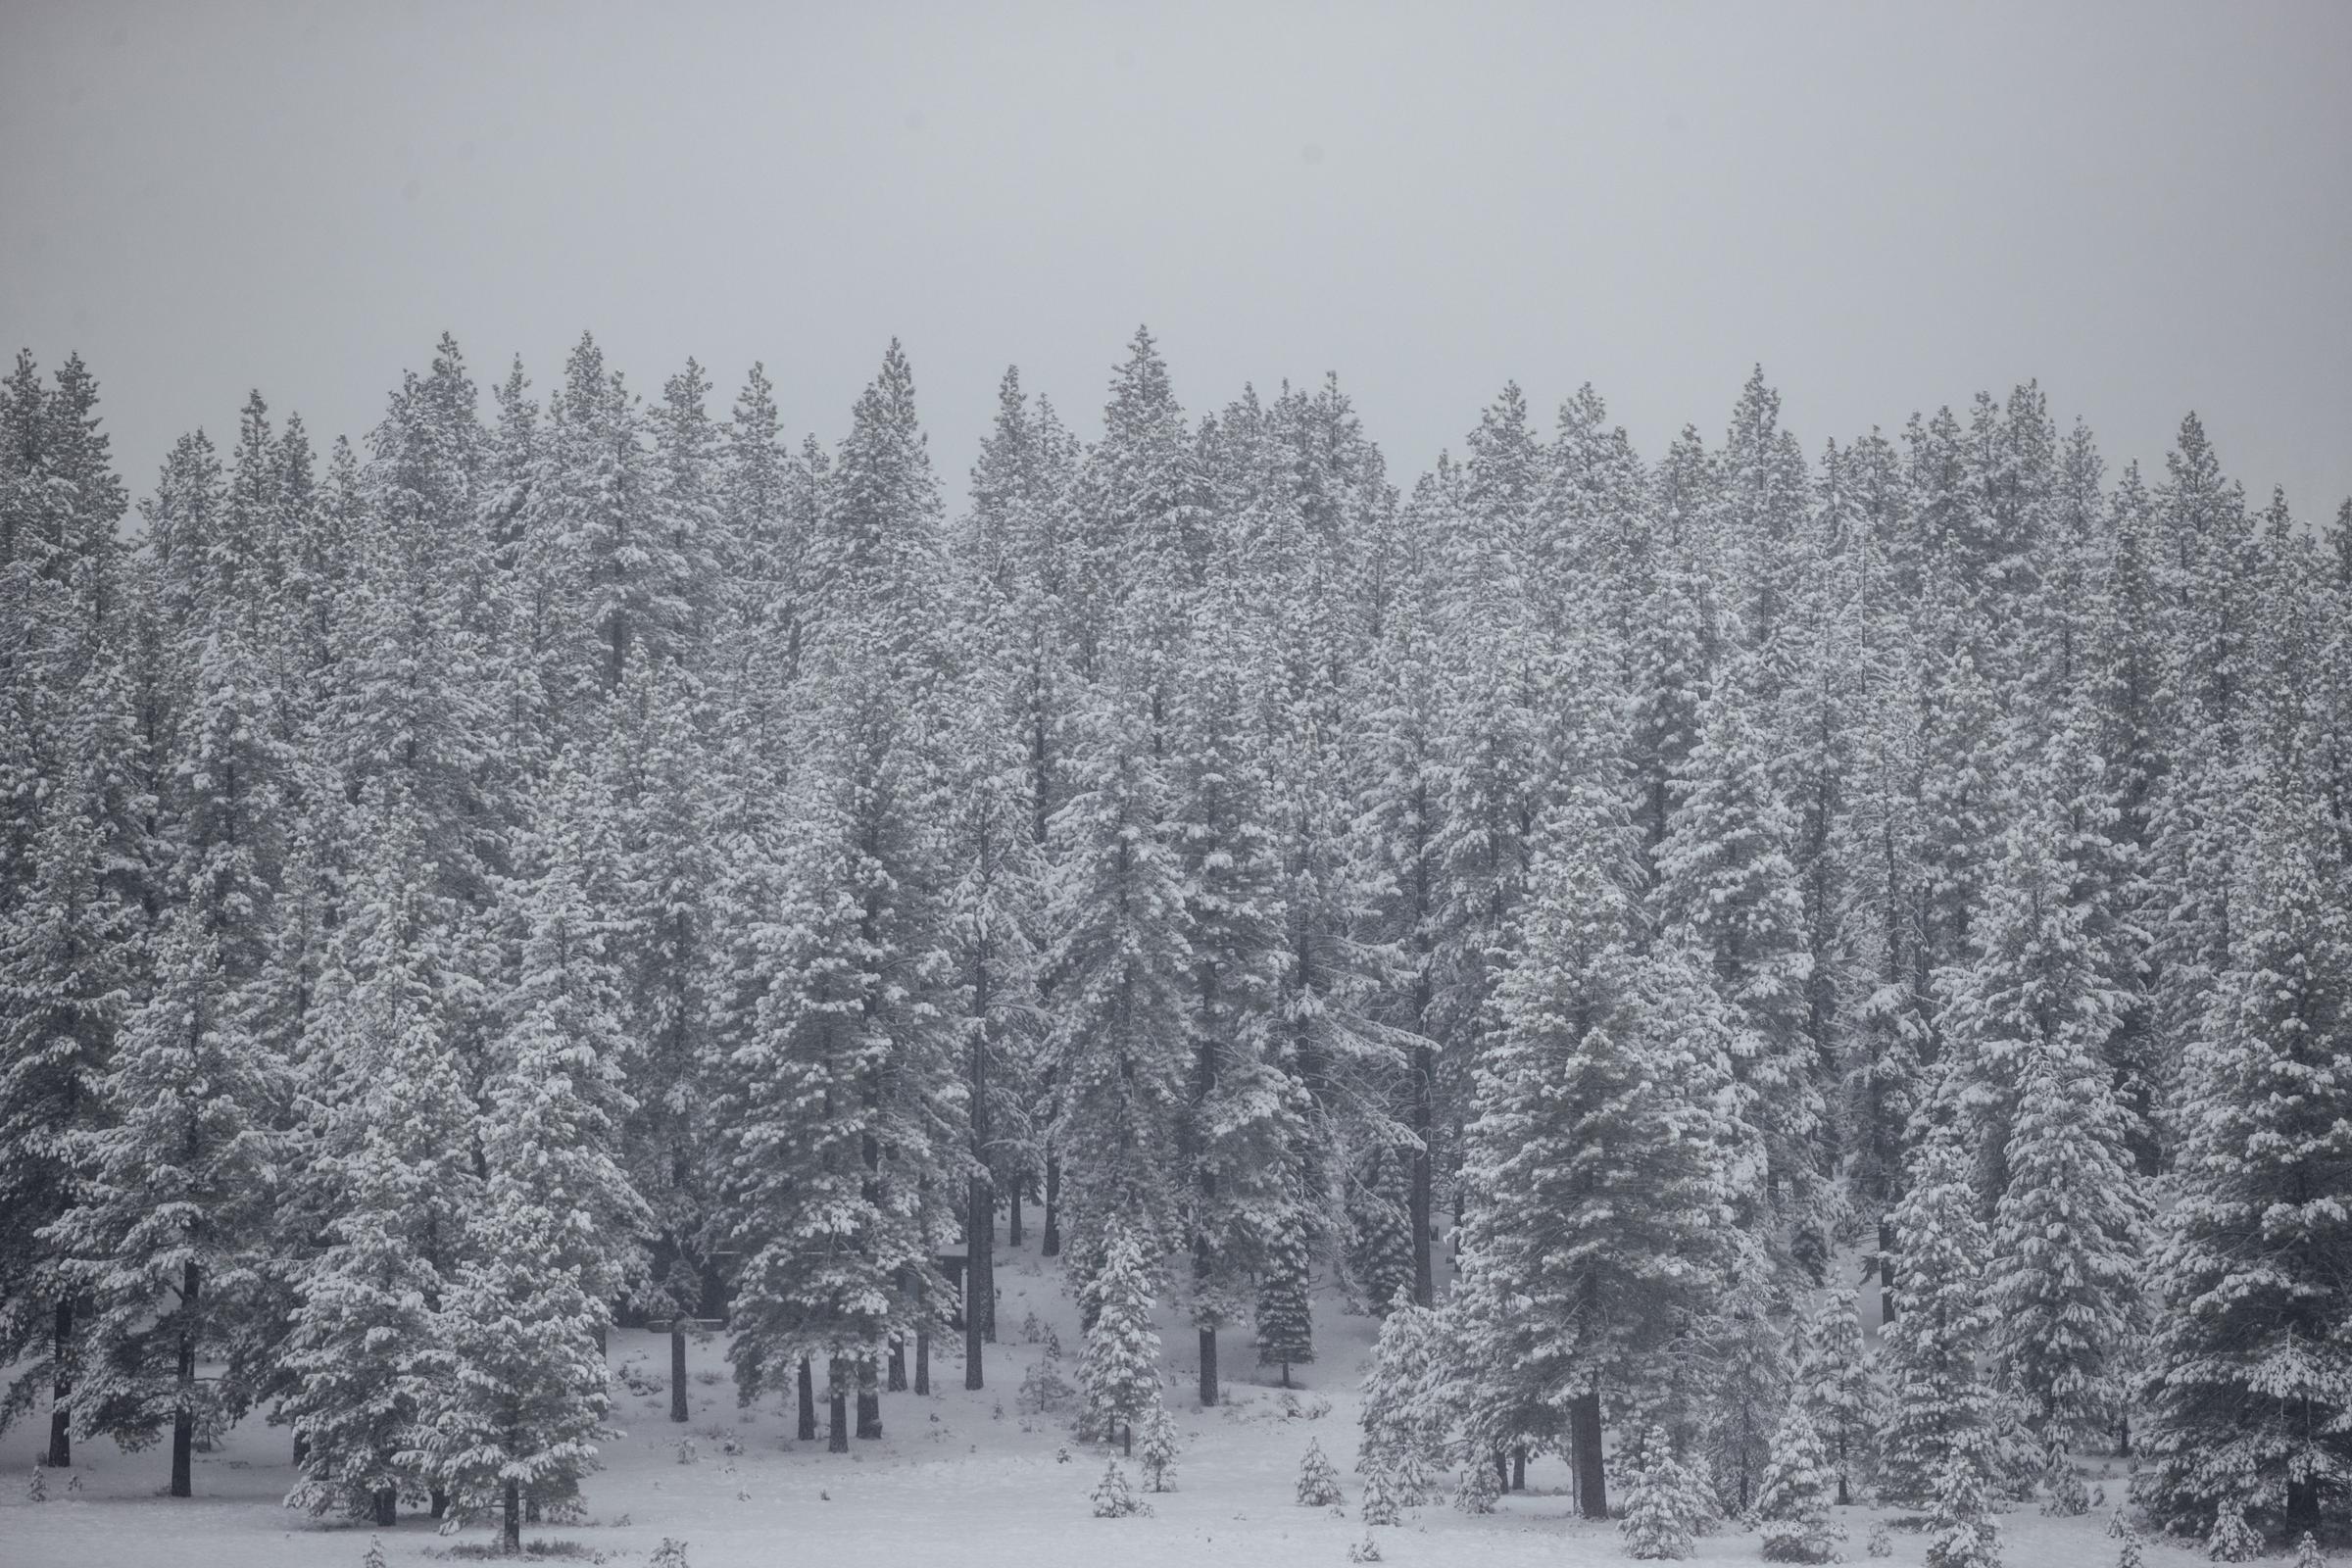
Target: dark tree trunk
{"points": [[897, 1375], [923, 1360], [1591, 1479], [302, 1446], [512, 1532], [677, 1370], [183, 1412], [1425, 1072], [869, 1403], [1052, 1245], [388, 1506], [1519, 1468], [1012, 1221], [1208, 1367], [439, 1502], [837, 1409], [1502, 1470], [61, 1387], [979, 1225], [1127, 1439], [2302, 1508], [1845, 1497], [530, 1509], [1886, 1270], [807, 1429]]}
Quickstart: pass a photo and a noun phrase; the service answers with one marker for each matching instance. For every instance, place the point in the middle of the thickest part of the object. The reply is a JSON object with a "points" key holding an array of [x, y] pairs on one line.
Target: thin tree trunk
{"points": [[897, 1375], [1050, 1247], [439, 1503], [677, 1370], [512, 1533], [1208, 1366], [1425, 1072], [530, 1508], [302, 1446], [1502, 1470], [1886, 1270], [869, 1403], [923, 1360], [837, 1407], [978, 1224], [61, 1387], [1591, 1478], [1519, 1468], [807, 1382], [183, 1413], [388, 1506], [1012, 1216]]}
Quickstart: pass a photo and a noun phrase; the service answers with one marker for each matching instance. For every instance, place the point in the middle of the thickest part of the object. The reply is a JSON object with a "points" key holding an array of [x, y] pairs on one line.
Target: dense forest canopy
{"points": [[590, 858]]}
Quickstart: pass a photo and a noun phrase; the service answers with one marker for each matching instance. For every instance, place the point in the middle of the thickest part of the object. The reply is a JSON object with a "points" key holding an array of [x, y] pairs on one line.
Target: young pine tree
{"points": [[1119, 1373], [1794, 1501]]}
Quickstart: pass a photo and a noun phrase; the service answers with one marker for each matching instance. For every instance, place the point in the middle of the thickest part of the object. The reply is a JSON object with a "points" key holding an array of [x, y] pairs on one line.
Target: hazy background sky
{"points": [[2148, 207]]}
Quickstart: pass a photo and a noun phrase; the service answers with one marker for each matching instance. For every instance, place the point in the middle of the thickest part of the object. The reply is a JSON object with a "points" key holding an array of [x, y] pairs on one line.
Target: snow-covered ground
{"points": [[960, 1479]]}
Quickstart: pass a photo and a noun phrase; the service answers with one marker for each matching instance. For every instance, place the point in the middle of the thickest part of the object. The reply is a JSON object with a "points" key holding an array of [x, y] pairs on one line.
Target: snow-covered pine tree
{"points": [[2031, 1022], [1118, 968], [1940, 1414], [2252, 1382], [1158, 1453], [1407, 1420], [1286, 1319], [1793, 1504], [73, 948], [1318, 1479], [1598, 1162], [517, 1376], [1379, 1213], [1241, 1121], [1838, 1387], [1118, 1375], [1961, 1530], [1113, 1498], [1725, 874], [1665, 1503], [170, 1224], [1384, 1501], [390, 1127]]}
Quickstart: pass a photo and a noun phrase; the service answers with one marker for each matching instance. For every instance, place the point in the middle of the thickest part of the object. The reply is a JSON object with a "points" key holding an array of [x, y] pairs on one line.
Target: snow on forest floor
{"points": [[960, 1478]]}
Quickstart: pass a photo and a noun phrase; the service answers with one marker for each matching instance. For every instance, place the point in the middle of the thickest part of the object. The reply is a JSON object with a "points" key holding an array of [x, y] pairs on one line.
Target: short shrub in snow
{"points": [[1878, 1544], [1318, 1481], [2307, 1552], [375, 1553], [1479, 1489], [1382, 1506], [2233, 1539], [1794, 1501], [688, 1453], [669, 1554], [2129, 1555], [1114, 1498], [1665, 1506], [39, 1490], [1364, 1550], [1961, 1531], [1159, 1455]]}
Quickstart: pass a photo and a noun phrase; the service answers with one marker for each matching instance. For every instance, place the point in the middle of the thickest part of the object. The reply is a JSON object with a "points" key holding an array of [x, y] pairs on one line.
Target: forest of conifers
{"points": [[560, 863]]}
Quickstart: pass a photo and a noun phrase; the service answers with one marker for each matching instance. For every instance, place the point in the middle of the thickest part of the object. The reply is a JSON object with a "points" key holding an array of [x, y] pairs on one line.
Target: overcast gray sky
{"points": [[2148, 207]]}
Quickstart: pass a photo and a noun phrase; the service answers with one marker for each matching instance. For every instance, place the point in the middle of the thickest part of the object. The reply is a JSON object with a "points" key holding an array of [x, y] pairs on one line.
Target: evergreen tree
{"points": [[1941, 1417], [1794, 1501], [1286, 1324], [2252, 1381], [1836, 1387], [1119, 1373]]}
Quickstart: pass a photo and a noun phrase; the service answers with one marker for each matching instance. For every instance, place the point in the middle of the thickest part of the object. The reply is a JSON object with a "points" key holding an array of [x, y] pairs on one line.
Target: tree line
{"points": [[566, 862]]}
